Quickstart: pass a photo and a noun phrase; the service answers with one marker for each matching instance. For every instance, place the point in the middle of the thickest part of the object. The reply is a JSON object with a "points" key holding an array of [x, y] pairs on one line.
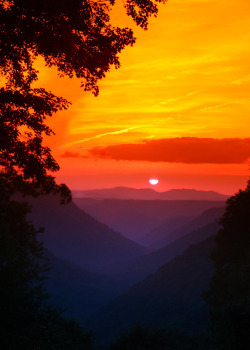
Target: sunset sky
{"points": [[178, 109]]}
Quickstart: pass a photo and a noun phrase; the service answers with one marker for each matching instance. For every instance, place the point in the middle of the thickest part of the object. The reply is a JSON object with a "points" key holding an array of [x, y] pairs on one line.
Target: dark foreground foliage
{"points": [[77, 38], [146, 338], [27, 321], [229, 294]]}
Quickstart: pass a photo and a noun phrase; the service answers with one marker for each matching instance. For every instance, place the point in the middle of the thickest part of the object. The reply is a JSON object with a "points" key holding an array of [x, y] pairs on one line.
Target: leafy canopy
{"points": [[77, 38], [230, 286], [27, 321]]}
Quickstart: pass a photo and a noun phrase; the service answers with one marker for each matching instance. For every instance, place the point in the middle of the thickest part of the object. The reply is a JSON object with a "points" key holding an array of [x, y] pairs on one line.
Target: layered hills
{"points": [[76, 290], [176, 227], [74, 235], [92, 263], [170, 298], [137, 218], [149, 194], [138, 268], [82, 291]]}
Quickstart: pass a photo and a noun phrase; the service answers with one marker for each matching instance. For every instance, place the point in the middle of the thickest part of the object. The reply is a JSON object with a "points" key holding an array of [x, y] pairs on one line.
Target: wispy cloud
{"points": [[242, 81], [100, 135], [174, 99], [214, 107]]}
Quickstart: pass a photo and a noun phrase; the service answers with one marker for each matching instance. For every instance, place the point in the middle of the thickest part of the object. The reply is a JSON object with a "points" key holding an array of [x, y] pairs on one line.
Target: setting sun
{"points": [[179, 105], [153, 181]]}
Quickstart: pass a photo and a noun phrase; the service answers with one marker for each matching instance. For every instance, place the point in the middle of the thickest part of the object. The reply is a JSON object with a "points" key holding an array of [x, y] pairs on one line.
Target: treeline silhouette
{"points": [[77, 38]]}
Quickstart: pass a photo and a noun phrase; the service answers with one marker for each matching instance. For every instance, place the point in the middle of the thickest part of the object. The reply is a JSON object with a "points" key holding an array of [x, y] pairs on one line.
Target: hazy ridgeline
{"points": [[110, 284], [91, 264]]}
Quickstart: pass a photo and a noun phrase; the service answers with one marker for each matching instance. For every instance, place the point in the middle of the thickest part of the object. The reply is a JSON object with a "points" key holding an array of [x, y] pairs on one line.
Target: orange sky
{"points": [[182, 88]]}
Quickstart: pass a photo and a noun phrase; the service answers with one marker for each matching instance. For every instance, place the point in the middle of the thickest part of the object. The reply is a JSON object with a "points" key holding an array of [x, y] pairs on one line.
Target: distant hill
{"points": [[170, 230], [168, 298], [72, 234], [150, 194], [135, 218], [138, 268], [77, 290]]}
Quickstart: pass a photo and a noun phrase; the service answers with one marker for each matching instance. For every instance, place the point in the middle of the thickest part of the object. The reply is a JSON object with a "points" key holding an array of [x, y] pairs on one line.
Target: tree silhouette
{"points": [[146, 338], [27, 322], [76, 37], [230, 286]]}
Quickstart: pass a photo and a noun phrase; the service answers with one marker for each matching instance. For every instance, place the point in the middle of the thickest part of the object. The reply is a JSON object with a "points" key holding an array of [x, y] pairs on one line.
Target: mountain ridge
{"points": [[142, 266], [121, 192], [77, 291], [72, 234], [135, 218], [161, 236], [170, 297]]}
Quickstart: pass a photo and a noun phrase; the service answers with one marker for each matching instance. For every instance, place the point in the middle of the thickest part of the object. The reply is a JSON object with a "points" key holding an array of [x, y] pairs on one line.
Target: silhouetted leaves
{"points": [[27, 322], [230, 287], [78, 39], [146, 338]]}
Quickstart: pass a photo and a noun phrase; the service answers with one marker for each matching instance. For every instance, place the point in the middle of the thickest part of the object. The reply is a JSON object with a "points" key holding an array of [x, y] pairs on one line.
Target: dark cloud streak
{"points": [[180, 150]]}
